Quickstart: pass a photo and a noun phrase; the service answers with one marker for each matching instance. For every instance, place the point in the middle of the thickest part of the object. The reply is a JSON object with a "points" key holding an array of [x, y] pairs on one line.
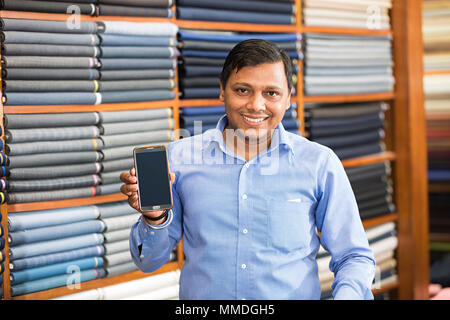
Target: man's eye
{"points": [[272, 93], [241, 90]]}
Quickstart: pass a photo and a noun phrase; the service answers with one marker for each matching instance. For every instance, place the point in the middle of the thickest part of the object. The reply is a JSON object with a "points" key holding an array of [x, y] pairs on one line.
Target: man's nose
{"points": [[256, 103]]}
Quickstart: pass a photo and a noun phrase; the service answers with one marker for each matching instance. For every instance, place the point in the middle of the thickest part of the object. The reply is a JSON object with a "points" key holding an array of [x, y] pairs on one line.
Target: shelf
{"points": [[439, 237], [83, 17], [373, 222], [235, 26], [90, 108], [436, 72], [346, 31], [439, 187], [349, 98], [438, 116], [98, 283], [211, 102], [45, 205], [388, 287], [380, 157]]}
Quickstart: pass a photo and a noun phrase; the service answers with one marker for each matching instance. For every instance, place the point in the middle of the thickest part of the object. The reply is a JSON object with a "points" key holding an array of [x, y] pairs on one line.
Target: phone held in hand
{"points": [[153, 178]]}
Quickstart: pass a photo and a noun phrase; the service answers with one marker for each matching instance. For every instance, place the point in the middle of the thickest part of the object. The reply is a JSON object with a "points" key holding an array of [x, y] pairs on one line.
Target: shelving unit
{"points": [[406, 142]]}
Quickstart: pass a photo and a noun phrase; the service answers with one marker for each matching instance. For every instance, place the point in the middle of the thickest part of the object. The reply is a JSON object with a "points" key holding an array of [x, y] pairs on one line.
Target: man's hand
{"points": [[130, 189]]}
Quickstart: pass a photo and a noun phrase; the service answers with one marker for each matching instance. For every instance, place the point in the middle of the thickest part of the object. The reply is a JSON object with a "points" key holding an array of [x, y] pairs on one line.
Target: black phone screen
{"points": [[153, 178]]}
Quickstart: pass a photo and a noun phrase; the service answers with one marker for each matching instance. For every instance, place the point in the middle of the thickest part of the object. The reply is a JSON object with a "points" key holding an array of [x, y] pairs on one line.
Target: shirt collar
{"points": [[280, 136]]}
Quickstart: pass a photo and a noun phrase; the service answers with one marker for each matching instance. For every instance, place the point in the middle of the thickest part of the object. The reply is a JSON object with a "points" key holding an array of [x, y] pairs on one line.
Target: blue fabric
{"points": [[282, 37], [438, 175], [203, 110], [249, 228], [197, 93], [130, 40], [224, 54]]}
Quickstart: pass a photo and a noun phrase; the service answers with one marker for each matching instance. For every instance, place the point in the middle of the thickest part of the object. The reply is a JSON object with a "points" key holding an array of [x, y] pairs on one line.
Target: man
{"points": [[250, 199]]}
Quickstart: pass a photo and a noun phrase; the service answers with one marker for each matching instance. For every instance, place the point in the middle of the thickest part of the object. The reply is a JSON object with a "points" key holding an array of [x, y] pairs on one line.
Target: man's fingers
{"points": [[128, 189], [172, 177]]}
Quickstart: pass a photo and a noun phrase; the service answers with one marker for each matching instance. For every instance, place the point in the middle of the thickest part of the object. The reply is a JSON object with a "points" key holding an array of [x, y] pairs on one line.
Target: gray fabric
{"points": [[344, 110], [121, 222], [50, 86], [50, 74], [138, 74], [48, 6], [21, 121], [50, 134], [117, 246], [110, 188], [48, 26], [136, 126], [114, 209], [113, 236], [54, 146], [23, 197], [54, 171], [111, 179], [137, 96], [53, 184], [120, 269], [117, 258], [125, 151], [134, 115], [124, 164], [51, 38], [137, 63], [50, 62], [51, 98], [48, 159], [141, 3], [168, 84], [53, 50], [137, 138], [139, 52]]}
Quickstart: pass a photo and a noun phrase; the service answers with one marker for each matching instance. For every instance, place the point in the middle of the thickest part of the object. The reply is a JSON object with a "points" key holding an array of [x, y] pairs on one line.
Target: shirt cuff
{"points": [[346, 292]]}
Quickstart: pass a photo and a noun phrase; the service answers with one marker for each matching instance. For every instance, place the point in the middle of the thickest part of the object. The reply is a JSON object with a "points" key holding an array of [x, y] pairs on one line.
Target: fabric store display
{"points": [[332, 54], [203, 54], [127, 289], [47, 159], [49, 26], [49, 6], [18, 121], [347, 14]]}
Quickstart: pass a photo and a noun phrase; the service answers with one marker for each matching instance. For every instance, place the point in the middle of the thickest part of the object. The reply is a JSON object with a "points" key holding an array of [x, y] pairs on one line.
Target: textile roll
{"points": [[352, 139], [141, 3], [22, 121], [50, 86], [133, 40], [50, 134], [197, 71], [136, 126], [120, 269], [55, 232], [134, 115], [50, 74], [23, 197], [51, 98], [49, 7], [235, 38], [136, 96], [117, 235], [47, 26], [197, 93], [53, 258], [110, 188], [359, 151], [138, 74], [137, 138], [342, 129], [326, 71], [346, 89], [367, 171], [49, 38], [50, 62], [136, 63], [159, 294], [203, 111], [121, 152], [117, 258], [139, 52], [55, 269], [147, 85], [54, 171], [199, 82], [140, 28], [227, 46], [186, 13], [53, 184], [117, 246], [54, 146], [188, 120], [252, 6], [116, 165], [114, 209], [55, 281], [53, 217], [54, 246], [345, 110], [55, 50], [48, 159], [203, 61], [121, 222], [108, 10], [111, 177]]}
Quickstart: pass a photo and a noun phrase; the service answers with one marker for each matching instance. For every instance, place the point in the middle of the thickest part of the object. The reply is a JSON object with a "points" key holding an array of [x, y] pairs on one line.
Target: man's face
{"points": [[256, 98]]}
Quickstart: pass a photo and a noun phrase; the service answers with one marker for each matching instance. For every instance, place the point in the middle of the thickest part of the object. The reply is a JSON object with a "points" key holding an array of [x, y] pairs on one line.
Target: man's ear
{"points": [[221, 95]]}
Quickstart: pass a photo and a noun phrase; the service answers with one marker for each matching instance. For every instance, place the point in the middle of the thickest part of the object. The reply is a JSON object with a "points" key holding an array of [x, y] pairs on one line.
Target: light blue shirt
{"points": [[250, 229]]}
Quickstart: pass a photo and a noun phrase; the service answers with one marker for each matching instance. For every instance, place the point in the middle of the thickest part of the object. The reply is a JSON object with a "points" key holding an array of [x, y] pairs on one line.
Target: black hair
{"points": [[253, 52]]}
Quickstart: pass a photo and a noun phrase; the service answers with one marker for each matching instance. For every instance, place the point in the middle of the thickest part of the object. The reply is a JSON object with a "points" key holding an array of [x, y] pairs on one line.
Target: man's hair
{"points": [[252, 52]]}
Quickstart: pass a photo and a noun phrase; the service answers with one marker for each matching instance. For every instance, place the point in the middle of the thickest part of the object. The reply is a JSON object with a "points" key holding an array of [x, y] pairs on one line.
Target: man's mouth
{"points": [[254, 120]]}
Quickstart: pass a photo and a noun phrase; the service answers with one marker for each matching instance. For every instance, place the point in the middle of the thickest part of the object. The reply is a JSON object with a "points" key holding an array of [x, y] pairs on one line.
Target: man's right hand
{"points": [[129, 188]]}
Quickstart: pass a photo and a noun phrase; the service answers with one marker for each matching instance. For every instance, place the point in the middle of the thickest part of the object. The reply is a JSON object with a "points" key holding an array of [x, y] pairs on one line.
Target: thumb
{"points": [[172, 178]]}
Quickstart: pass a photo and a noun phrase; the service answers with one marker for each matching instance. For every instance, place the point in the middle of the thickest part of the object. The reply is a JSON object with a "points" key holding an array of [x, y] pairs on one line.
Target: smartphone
{"points": [[153, 179]]}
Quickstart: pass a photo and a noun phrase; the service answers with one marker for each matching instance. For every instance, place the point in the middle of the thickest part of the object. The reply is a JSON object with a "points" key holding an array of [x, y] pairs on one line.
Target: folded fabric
{"points": [[124, 164], [134, 40], [53, 184], [227, 46], [50, 74], [50, 172], [24, 197], [136, 126], [110, 188], [197, 93], [114, 209], [36, 120], [251, 6], [51, 134], [137, 138], [51, 98], [136, 96], [137, 74], [136, 63], [53, 146], [203, 110], [110, 10], [50, 62], [49, 6], [273, 37], [120, 222], [140, 28], [340, 141], [31, 25], [134, 115], [50, 50], [48, 159], [50, 38], [117, 246], [141, 3], [139, 52]]}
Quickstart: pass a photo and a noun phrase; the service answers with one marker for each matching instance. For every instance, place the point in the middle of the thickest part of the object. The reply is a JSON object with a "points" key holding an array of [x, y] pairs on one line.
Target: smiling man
{"points": [[249, 232]]}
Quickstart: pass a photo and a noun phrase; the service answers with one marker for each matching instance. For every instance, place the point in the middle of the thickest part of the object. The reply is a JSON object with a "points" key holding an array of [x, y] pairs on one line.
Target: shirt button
{"points": [[145, 229], [243, 266], [245, 231], [247, 165], [244, 196], [152, 233]]}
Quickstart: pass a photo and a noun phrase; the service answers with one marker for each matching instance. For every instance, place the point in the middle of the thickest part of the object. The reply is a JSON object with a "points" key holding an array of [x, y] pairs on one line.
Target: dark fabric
{"points": [[199, 82], [110, 10], [343, 129], [235, 38], [196, 71], [197, 93], [47, 6], [137, 74], [252, 6], [365, 171], [344, 110], [135, 96], [351, 139], [347, 121], [196, 61], [140, 3], [227, 46], [203, 110], [50, 74], [31, 25], [131, 64]]}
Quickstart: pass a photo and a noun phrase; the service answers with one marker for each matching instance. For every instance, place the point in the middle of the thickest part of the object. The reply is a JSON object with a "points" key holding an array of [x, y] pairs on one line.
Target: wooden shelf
{"points": [[349, 98], [388, 287], [346, 31], [373, 222], [32, 206], [380, 157], [200, 103], [93, 284], [439, 187], [90, 108], [436, 72]]}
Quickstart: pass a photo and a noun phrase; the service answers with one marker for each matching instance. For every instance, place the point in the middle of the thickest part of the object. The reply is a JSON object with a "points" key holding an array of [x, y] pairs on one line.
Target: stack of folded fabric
{"points": [[383, 242], [347, 64], [164, 286], [54, 248], [247, 11], [139, 8], [372, 187], [436, 39], [52, 156], [203, 55], [2, 256], [362, 14], [351, 129], [121, 131], [137, 62], [196, 120]]}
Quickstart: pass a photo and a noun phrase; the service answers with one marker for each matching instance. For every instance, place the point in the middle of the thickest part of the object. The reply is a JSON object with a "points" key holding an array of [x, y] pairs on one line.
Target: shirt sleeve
{"points": [[343, 235], [150, 248]]}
